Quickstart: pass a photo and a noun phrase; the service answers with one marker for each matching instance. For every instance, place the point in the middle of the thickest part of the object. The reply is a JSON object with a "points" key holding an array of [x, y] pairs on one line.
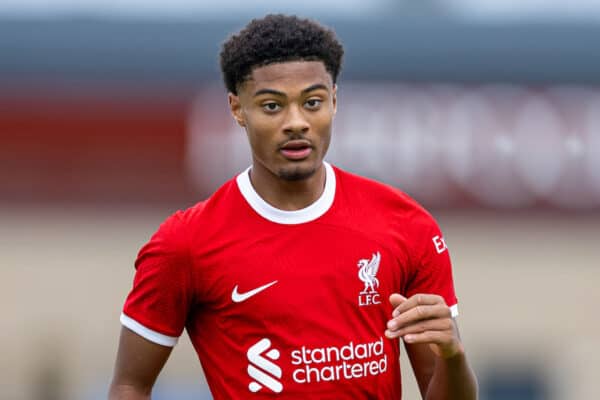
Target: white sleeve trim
{"points": [[147, 333], [454, 311]]}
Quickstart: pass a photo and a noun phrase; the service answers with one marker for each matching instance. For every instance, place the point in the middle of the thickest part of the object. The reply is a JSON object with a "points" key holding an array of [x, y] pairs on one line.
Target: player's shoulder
{"points": [[386, 198], [220, 199], [360, 186], [177, 232]]}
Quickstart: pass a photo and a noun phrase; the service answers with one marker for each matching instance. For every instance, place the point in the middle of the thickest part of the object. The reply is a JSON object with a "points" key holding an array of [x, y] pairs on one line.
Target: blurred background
{"points": [[113, 115]]}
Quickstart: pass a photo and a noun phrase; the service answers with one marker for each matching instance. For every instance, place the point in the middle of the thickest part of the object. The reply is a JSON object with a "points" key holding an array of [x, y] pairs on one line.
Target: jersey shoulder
{"points": [[175, 233], [224, 198], [382, 198]]}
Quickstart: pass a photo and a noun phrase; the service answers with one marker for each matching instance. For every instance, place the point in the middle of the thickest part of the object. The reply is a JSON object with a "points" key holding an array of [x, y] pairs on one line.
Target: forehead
{"points": [[288, 76]]}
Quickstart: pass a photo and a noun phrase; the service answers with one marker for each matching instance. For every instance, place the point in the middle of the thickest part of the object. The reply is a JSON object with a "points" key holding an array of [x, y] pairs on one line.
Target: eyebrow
{"points": [[278, 93]]}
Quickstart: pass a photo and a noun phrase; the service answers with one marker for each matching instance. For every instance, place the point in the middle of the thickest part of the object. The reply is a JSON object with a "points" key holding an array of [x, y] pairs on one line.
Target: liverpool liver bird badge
{"points": [[367, 273]]}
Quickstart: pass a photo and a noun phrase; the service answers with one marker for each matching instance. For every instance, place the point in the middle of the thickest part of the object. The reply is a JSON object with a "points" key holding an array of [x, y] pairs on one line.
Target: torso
{"points": [[325, 307]]}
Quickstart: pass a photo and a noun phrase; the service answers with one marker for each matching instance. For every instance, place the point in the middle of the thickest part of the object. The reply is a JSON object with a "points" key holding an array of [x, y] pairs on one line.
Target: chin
{"points": [[296, 173]]}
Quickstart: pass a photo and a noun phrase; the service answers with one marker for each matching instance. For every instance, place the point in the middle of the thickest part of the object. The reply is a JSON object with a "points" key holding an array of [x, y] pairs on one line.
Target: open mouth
{"points": [[296, 149]]}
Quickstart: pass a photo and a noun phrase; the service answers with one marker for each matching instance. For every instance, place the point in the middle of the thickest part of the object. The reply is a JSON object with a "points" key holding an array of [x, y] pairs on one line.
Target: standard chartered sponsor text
{"points": [[334, 363]]}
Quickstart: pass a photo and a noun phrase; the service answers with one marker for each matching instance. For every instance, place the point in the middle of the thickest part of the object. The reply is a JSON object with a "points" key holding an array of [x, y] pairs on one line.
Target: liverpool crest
{"points": [[367, 273]]}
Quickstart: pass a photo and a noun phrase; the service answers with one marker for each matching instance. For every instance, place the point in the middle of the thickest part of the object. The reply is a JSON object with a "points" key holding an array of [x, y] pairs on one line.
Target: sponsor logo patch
{"points": [[261, 368]]}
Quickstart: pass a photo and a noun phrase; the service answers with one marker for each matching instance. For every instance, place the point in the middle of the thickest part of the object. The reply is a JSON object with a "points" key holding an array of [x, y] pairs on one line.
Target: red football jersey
{"points": [[290, 304]]}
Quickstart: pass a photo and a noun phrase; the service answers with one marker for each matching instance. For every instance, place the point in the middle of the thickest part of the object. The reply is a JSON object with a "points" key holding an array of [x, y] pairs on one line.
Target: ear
{"points": [[235, 107]]}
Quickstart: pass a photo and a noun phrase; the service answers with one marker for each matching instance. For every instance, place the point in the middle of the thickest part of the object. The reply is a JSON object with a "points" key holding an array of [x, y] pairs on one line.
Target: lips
{"points": [[296, 149]]}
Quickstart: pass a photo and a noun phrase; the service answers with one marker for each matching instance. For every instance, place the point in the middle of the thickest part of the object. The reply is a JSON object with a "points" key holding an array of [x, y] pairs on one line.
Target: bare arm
{"points": [[441, 378], [138, 364], [434, 347]]}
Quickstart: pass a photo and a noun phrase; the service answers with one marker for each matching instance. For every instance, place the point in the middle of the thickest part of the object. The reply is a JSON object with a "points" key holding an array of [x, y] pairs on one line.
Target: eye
{"points": [[271, 107], [313, 104]]}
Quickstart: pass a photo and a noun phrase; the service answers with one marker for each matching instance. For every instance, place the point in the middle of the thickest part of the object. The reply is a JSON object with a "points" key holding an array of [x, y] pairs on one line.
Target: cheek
{"points": [[261, 134], [326, 140], [255, 140], [324, 125], [260, 125]]}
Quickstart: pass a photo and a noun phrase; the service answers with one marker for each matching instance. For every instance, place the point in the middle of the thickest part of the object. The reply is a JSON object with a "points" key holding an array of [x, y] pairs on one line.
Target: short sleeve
{"points": [[432, 268], [158, 304]]}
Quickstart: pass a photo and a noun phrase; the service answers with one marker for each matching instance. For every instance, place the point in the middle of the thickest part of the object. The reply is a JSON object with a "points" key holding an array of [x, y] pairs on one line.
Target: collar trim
{"points": [[307, 214]]}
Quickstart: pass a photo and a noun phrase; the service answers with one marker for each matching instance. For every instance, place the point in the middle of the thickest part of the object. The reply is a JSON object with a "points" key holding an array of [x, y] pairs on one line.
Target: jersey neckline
{"points": [[273, 214]]}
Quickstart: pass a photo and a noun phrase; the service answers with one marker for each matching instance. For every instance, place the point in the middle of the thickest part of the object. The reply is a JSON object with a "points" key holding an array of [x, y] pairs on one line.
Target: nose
{"points": [[295, 121]]}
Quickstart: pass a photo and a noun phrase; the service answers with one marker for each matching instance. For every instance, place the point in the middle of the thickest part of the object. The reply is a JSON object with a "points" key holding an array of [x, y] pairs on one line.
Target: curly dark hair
{"points": [[278, 38]]}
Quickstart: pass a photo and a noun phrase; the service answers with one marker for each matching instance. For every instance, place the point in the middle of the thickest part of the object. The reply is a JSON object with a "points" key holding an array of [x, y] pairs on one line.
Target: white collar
{"points": [[307, 214]]}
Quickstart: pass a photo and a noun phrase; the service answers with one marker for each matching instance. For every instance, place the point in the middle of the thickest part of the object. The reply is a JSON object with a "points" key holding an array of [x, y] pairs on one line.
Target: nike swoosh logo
{"points": [[239, 297]]}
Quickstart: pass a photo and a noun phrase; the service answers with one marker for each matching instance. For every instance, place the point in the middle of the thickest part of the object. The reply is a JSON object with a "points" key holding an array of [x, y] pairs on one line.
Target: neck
{"points": [[285, 194]]}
